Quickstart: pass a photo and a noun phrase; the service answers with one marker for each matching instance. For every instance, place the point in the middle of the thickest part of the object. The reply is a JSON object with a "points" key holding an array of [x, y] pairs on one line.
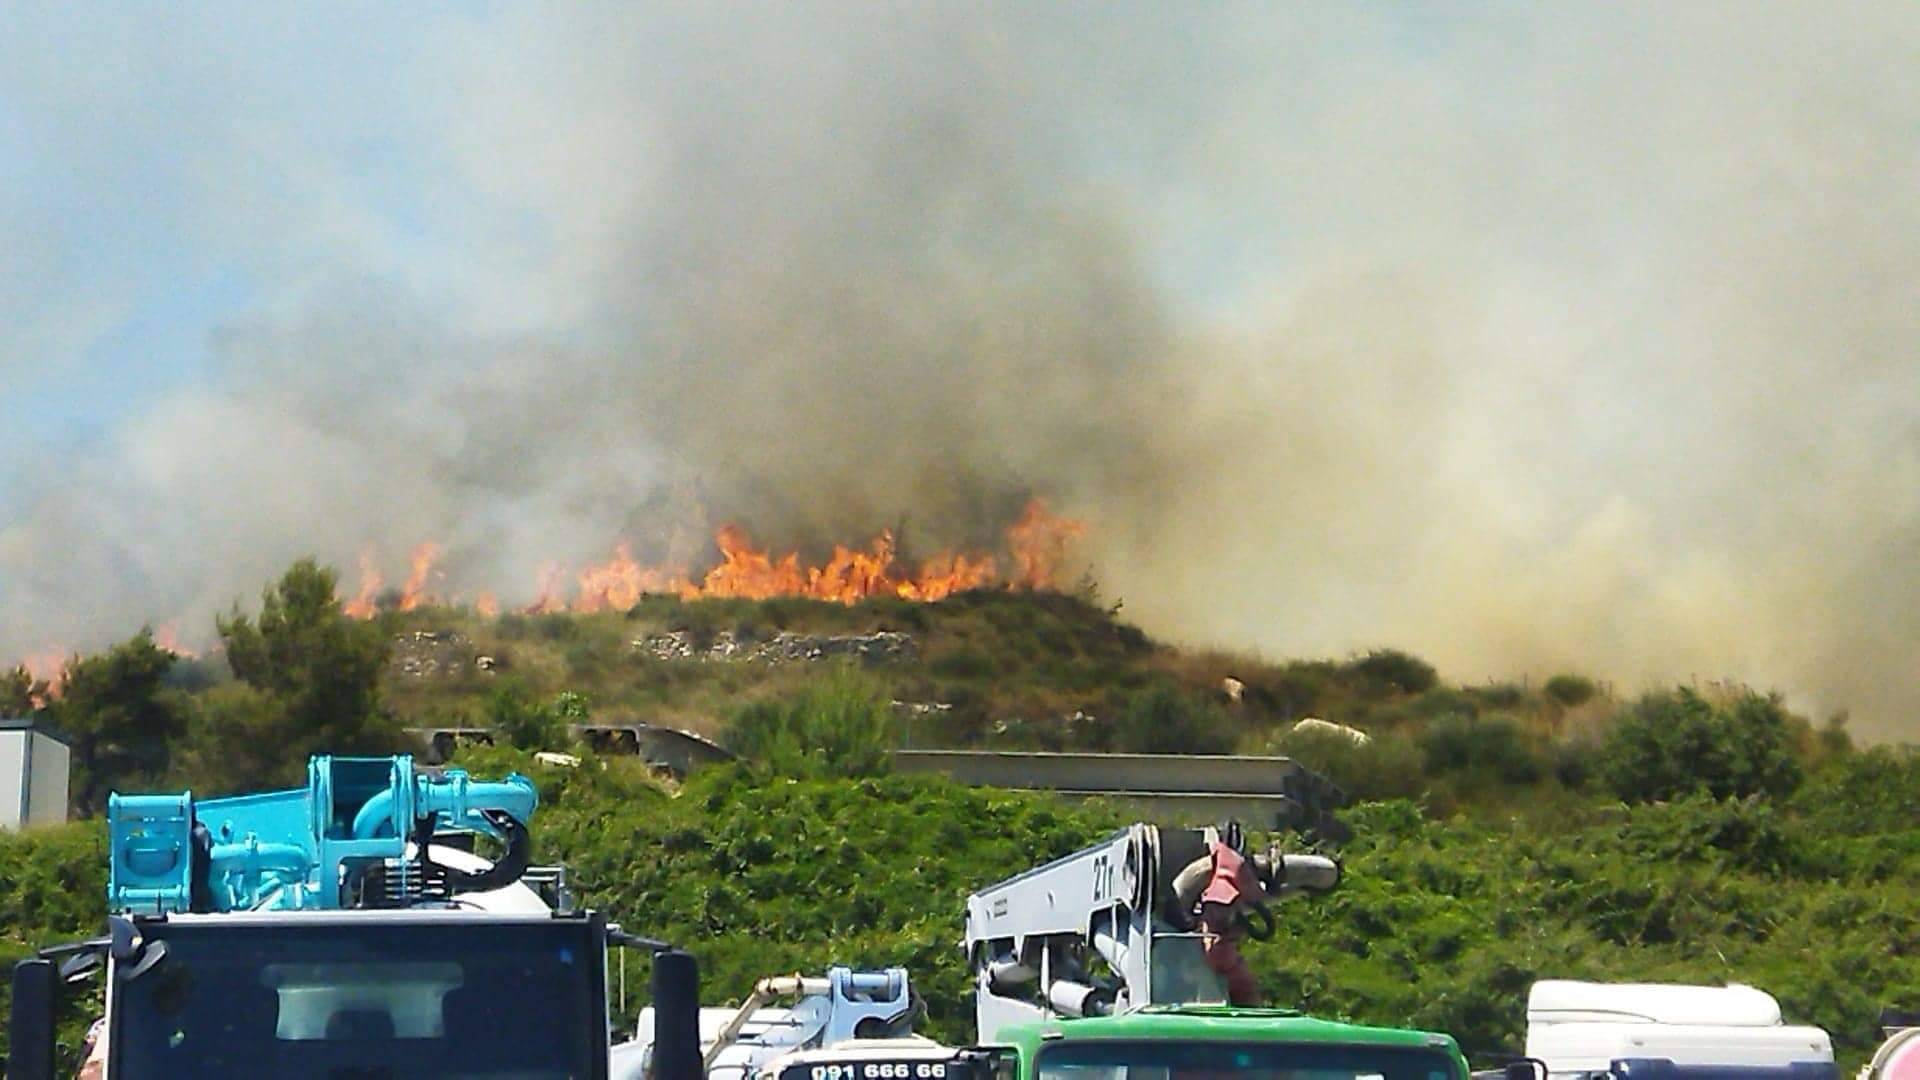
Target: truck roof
{"points": [[441, 916], [1227, 1023], [1571, 1001]]}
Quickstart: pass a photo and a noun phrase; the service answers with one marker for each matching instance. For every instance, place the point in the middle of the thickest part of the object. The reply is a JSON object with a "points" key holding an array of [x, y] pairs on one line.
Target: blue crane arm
{"points": [[299, 849]]}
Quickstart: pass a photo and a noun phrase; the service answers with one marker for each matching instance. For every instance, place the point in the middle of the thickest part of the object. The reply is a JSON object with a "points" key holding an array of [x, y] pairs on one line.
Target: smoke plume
{"points": [[1524, 338]]}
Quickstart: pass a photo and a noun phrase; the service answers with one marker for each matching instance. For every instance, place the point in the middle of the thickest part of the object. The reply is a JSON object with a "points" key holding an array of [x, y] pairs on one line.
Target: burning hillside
{"points": [[1035, 551]]}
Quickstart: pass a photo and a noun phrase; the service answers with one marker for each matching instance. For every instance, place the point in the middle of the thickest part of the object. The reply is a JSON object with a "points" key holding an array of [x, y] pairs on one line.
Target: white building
{"points": [[33, 776]]}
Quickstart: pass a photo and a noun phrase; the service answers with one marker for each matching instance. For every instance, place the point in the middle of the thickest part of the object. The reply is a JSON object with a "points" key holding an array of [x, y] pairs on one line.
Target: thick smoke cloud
{"points": [[1523, 339]]}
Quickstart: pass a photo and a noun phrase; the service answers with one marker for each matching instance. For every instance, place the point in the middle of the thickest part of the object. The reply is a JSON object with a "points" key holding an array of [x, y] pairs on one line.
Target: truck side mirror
{"points": [[989, 1063], [36, 986], [676, 1017], [1525, 1069]]}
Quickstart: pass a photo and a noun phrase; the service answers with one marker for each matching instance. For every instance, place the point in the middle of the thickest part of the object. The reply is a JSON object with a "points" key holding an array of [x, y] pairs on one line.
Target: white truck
{"points": [[845, 1010], [1662, 1031]]}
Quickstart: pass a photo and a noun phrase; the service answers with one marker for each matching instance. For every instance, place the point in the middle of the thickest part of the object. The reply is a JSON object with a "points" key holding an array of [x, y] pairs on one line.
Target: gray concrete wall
{"points": [[1110, 772], [51, 769], [1175, 808]]}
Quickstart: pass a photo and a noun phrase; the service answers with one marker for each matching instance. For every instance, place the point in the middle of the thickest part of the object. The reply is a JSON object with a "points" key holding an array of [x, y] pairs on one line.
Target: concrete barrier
{"points": [[1174, 789]]}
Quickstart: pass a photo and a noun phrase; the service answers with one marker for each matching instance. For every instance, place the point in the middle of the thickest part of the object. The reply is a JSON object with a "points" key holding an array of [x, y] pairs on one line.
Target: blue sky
{"points": [[165, 173]]}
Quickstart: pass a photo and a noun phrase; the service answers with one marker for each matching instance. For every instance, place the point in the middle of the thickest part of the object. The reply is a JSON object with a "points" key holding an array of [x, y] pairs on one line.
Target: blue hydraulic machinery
{"points": [[341, 842], [337, 929]]}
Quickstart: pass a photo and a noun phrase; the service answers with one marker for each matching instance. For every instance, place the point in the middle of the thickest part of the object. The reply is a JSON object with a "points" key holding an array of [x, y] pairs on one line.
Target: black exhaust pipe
{"points": [[36, 989], [676, 1017]]}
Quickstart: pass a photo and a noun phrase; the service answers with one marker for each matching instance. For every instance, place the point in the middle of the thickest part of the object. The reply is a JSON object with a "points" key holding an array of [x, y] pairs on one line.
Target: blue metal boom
{"points": [[312, 848]]}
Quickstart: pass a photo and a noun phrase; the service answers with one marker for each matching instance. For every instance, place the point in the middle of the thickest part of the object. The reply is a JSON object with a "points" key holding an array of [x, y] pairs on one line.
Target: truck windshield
{"points": [[365, 1001], [1182, 1060]]}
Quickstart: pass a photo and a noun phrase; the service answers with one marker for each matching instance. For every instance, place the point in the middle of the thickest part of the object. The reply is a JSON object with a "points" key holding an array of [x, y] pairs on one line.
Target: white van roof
{"points": [[1564, 1001]]}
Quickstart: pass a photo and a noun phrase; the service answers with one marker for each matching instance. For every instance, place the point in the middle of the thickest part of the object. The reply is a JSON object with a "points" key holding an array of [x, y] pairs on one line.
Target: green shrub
{"points": [[1385, 767], [839, 725], [1571, 690], [1865, 793], [1302, 686], [53, 883], [963, 663], [1393, 671], [120, 719], [1672, 744], [1446, 701], [1488, 748], [1502, 695], [1833, 739], [237, 741], [1165, 719], [1572, 762], [520, 721]]}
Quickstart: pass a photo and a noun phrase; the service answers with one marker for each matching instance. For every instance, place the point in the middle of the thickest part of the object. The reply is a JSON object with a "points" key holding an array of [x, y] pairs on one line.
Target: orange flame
{"points": [[749, 572], [168, 638], [942, 576], [547, 599], [1038, 542], [620, 582], [361, 606], [48, 667], [414, 592]]}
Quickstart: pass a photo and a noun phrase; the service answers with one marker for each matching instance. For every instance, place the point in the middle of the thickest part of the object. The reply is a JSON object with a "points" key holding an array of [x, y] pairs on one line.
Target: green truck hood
{"points": [[1224, 1024]]}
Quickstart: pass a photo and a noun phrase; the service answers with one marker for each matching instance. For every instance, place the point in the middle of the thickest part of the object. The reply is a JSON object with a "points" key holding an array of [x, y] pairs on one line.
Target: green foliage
{"points": [[1572, 761], [1873, 790], [1489, 748], [321, 666], [1446, 924], [20, 693], [238, 742], [1673, 744], [1164, 719], [1833, 739], [838, 725], [1387, 766], [119, 718], [1569, 690], [53, 884], [1392, 671], [1503, 695], [758, 878], [526, 724]]}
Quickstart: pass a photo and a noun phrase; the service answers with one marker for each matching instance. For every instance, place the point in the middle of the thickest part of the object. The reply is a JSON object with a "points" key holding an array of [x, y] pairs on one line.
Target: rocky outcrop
{"points": [[431, 654], [881, 646]]}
